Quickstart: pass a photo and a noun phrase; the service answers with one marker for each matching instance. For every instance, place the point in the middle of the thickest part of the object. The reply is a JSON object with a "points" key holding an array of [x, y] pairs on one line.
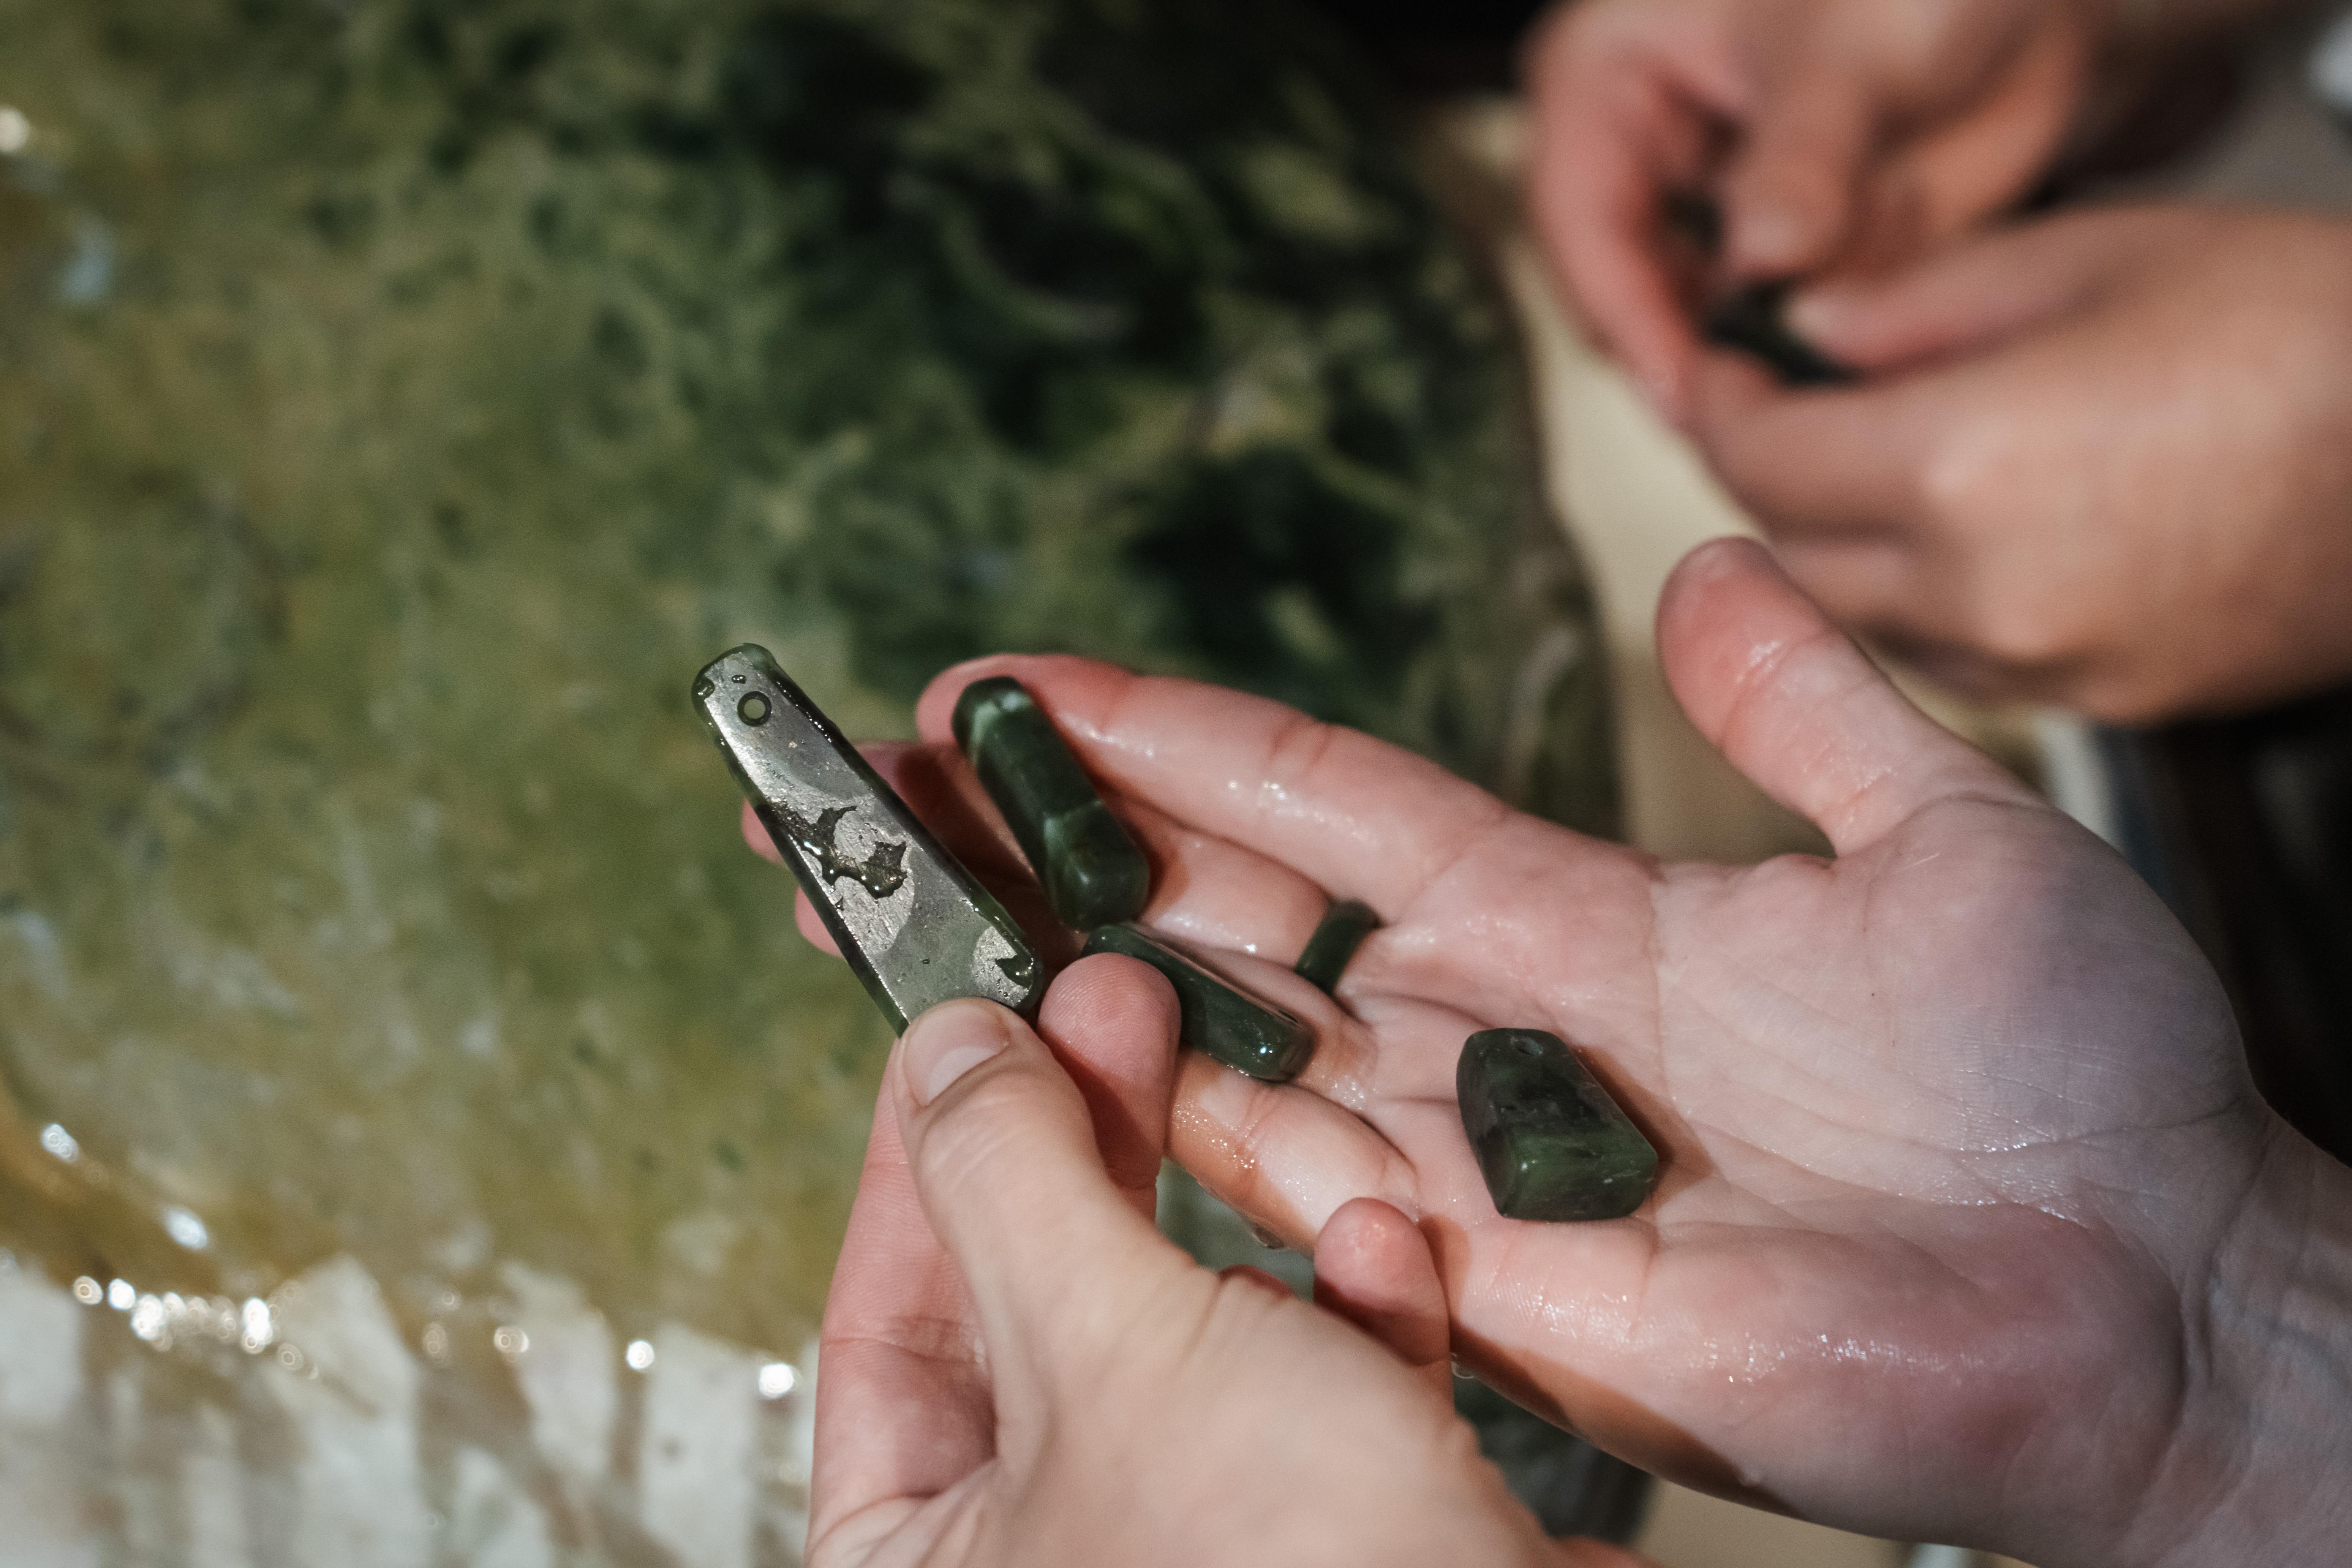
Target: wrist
{"points": [[2257, 1471]]}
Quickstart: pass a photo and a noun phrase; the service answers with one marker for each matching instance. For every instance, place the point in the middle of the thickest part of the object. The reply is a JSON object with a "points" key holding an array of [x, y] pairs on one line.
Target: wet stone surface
{"points": [[1755, 322], [1092, 872], [1552, 1144], [1221, 1020], [918, 928], [1341, 931]]}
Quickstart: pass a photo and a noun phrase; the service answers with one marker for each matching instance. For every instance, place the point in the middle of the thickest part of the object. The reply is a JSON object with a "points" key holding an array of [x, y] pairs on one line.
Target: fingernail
{"points": [[948, 1042], [1817, 314]]}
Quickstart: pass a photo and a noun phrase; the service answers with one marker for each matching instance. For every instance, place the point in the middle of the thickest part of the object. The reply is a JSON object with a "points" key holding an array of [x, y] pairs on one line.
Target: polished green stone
{"points": [[1754, 322], [1092, 872], [914, 924], [1342, 930], [1221, 1021], [1550, 1142]]}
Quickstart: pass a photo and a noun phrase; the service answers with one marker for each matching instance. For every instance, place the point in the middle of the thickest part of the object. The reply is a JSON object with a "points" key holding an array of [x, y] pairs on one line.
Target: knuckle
{"points": [[974, 1134], [1299, 749]]}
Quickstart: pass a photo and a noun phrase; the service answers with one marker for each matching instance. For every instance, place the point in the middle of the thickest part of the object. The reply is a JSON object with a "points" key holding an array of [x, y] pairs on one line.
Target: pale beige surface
{"points": [[1691, 1530]]}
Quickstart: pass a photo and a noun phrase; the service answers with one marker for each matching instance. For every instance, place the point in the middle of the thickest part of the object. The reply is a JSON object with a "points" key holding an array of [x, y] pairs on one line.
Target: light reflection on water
{"points": [[701, 1456]]}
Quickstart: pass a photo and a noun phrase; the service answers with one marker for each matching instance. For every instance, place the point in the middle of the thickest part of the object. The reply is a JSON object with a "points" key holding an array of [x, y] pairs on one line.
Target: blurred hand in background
{"points": [[1827, 133], [2103, 460]]}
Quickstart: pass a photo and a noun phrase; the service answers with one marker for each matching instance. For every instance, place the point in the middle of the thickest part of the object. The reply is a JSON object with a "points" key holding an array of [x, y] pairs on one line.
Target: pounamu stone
{"points": [[1221, 1021], [1092, 872], [1550, 1142], [1342, 930], [909, 919], [1754, 322]]}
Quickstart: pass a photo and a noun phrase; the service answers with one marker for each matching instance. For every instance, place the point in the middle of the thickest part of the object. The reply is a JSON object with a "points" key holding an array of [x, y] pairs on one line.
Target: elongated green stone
{"points": [[1550, 1142], [1220, 1020], [913, 923], [1341, 931], [1092, 872]]}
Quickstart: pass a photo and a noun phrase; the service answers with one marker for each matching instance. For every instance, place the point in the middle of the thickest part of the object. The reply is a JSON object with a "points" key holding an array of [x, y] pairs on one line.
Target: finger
{"points": [[1797, 707], [1006, 1163], [1816, 461], [805, 917], [1788, 193], [1111, 1023], [1967, 298], [903, 1409], [1874, 584], [1280, 1155], [1213, 892], [1373, 1268], [1613, 133], [1340, 808], [1956, 171]]}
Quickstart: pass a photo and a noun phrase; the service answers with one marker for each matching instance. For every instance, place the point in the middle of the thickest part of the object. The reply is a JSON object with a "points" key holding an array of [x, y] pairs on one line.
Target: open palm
{"points": [[1953, 1125]]}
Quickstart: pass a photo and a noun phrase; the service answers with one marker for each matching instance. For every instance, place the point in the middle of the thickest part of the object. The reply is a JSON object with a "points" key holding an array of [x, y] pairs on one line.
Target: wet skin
{"points": [[1969, 1212]]}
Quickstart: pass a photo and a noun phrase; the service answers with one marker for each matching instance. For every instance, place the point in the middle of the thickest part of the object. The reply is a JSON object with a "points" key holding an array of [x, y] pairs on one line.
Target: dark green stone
{"points": [[1550, 1142], [1221, 1021], [909, 919], [1092, 872], [1753, 321], [1342, 930]]}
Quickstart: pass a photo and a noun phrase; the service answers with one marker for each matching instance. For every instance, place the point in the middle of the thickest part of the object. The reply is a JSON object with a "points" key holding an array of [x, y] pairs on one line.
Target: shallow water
{"points": [[397, 405]]}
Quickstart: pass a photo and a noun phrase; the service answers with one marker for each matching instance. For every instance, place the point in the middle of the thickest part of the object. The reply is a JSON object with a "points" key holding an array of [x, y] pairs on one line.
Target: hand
{"points": [[1017, 1368], [1829, 132], [1971, 1227], [2104, 460]]}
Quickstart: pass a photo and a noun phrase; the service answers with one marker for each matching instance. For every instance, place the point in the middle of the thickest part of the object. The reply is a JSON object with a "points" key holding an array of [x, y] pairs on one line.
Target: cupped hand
{"points": [[1829, 132], [2102, 460], [1017, 1369], [1954, 1126]]}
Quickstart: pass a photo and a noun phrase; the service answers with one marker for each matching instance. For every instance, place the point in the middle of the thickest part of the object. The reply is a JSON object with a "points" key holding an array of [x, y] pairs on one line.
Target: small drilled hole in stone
{"points": [[1527, 1048], [753, 708]]}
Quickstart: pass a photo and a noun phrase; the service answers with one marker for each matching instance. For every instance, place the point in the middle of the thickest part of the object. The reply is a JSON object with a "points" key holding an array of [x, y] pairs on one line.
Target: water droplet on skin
{"points": [[754, 708]]}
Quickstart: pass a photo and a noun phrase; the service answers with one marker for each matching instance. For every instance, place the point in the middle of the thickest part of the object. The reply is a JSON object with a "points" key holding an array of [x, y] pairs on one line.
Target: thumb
{"points": [[1795, 706], [1006, 1165]]}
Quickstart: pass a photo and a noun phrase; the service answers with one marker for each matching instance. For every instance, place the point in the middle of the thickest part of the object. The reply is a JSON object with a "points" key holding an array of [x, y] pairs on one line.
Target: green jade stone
{"points": [[1755, 322], [1550, 1142], [1220, 1020], [1342, 930], [1093, 873], [909, 919]]}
